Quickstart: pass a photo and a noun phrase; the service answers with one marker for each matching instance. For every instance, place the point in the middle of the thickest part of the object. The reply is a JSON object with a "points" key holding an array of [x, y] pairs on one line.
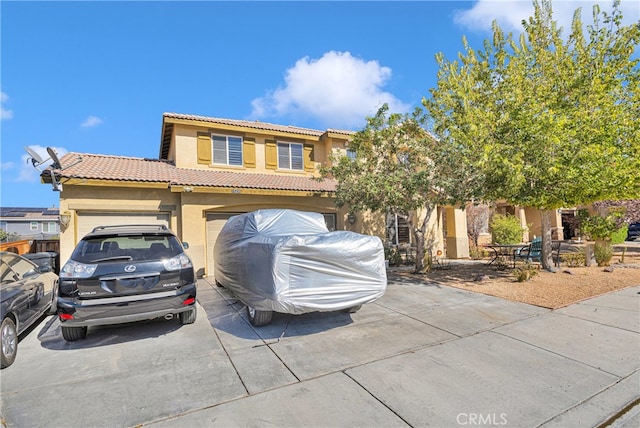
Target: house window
{"points": [[49, 227], [351, 154], [3, 225], [227, 150], [397, 230], [33, 225], [330, 221], [290, 156]]}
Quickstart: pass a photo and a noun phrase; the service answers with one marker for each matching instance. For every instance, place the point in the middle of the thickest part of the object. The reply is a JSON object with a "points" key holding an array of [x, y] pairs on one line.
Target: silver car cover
{"points": [[287, 261]]}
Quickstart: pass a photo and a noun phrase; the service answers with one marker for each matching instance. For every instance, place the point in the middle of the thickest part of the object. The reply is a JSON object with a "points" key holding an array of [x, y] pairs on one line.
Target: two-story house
{"points": [[209, 169], [30, 222]]}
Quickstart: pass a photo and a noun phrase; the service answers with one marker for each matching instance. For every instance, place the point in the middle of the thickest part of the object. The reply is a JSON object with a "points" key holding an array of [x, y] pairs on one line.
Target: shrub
{"points": [[603, 252], [525, 272], [427, 261], [619, 236], [599, 228], [393, 255], [574, 259], [477, 253], [506, 229]]}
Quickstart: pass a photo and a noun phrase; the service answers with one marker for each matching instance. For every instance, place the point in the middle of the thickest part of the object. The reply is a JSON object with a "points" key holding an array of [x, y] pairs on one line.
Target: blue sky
{"points": [[95, 77]]}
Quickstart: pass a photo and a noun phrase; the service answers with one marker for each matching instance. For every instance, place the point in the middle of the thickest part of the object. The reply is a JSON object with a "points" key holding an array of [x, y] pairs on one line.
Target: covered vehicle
{"points": [[27, 292], [279, 260]]}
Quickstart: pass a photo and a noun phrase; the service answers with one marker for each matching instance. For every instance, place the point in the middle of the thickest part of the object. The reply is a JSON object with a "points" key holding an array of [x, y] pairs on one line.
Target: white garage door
{"points": [[215, 221], [88, 220]]}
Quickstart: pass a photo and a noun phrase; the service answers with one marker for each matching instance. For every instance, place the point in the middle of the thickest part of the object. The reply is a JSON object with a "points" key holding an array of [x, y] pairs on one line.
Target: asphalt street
{"points": [[423, 355]]}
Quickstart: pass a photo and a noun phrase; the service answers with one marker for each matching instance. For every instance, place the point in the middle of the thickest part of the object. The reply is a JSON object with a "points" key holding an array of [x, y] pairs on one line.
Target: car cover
{"points": [[287, 261]]}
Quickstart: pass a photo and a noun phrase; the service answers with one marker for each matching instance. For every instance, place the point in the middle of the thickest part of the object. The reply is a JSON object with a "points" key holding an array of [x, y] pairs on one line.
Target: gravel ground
{"points": [[546, 289]]}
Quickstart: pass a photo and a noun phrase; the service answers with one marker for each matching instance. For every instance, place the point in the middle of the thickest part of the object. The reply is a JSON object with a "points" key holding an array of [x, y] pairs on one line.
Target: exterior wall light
{"points": [[65, 219], [351, 218]]}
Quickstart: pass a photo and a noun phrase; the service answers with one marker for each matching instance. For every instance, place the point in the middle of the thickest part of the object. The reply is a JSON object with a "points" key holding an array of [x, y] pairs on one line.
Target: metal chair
{"points": [[532, 252]]}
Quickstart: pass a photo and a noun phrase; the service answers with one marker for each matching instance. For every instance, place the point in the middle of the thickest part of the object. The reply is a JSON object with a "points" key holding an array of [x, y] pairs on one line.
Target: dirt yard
{"points": [[546, 289]]}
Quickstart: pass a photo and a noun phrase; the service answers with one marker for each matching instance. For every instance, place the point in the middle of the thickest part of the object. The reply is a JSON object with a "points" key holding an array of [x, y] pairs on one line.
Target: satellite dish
{"points": [[54, 157], [36, 159]]}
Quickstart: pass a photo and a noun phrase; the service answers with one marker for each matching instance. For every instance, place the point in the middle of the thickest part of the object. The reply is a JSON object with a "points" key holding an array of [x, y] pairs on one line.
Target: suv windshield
{"points": [[132, 247]]}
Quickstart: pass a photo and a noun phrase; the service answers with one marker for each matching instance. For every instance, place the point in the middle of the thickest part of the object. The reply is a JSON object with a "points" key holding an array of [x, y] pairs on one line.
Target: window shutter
{"points": [[309, 165], [249, 152], [271, 154], [204, 148]]}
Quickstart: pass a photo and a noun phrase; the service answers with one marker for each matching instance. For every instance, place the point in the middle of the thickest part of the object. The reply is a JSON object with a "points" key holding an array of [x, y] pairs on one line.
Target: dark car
{"points": [[27, 292], [121, 274], [633, 233]]}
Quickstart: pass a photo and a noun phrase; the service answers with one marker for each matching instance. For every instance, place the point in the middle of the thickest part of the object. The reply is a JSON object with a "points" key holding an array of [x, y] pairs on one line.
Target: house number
{"points": [[235, 191]]}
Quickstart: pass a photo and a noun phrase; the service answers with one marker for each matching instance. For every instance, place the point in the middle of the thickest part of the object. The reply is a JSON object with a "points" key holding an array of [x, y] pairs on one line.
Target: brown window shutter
{"points": [[271, 154], [249, 152], [309, 165], [204, 148]]}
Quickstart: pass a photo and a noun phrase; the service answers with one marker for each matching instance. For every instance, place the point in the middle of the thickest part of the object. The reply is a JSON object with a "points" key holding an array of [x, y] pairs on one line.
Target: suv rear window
{"points": [[137, 247]]}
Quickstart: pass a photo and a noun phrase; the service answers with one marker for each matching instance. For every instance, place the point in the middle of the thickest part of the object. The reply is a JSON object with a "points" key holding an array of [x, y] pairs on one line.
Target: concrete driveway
{"points": [[423, 355]]}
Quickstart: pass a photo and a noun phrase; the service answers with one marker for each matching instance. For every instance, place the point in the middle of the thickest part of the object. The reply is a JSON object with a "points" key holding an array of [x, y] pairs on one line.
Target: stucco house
{"points": [[209, 169]]}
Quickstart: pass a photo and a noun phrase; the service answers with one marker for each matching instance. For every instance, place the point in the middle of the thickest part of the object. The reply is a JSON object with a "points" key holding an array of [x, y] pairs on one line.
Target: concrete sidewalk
{"points": [[423, 355]]}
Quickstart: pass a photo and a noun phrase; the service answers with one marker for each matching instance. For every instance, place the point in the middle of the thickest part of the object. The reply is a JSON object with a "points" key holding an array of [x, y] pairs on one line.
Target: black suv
{"points": [[120, 274], [633, 233]]}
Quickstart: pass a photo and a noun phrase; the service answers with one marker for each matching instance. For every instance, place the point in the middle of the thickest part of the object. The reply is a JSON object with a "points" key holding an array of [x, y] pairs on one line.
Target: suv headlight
{"points": [[73, 269], [181, 261]]}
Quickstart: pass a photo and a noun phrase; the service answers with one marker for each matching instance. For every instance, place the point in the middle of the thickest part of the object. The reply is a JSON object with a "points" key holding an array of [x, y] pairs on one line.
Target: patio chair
{"points": [[530, 253]]}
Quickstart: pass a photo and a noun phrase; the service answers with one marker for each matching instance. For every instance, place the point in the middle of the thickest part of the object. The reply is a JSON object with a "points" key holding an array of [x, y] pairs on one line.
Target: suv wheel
{"points": [[259, 318], [9, 342], [188, 317], [353, 309], [71, 334]]}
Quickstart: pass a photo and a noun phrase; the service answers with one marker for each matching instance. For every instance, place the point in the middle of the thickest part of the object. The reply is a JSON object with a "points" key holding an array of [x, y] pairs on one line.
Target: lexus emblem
{"points": [[130, 268]]}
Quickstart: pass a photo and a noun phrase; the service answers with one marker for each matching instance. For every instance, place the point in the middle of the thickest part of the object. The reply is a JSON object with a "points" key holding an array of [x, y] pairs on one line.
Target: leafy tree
{"points": [[545, 121], [394, 170]]}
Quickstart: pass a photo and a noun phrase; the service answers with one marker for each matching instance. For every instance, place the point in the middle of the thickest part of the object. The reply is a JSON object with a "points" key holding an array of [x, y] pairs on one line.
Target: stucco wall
{"points": [[188, 211], [185, 137], [195, 206], [74, 199]]}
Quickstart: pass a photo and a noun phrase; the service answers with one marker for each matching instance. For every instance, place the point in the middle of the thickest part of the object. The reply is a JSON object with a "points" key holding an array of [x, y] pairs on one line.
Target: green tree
{"points": [[394, 170], [545, 121]]}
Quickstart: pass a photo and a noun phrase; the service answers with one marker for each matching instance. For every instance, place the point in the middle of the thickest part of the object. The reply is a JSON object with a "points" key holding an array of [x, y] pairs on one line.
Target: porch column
{"points": [[521, 213], [557, 230], [457, 239]]}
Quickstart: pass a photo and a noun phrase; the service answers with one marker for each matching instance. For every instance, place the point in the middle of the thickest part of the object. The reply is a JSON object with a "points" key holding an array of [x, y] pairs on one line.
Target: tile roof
{"points": [[121, 168], [248, 124]]}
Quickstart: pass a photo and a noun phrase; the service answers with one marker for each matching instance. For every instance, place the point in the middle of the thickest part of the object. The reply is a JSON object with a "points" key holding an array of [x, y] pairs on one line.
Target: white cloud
{"points": [[337, 89], [510, 14], [91, 121], [4, 113], [28, 172]]}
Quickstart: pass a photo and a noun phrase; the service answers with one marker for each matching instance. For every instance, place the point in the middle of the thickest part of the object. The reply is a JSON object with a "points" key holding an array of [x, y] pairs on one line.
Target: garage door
{"points": [[88, 220], [214, 224]]}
